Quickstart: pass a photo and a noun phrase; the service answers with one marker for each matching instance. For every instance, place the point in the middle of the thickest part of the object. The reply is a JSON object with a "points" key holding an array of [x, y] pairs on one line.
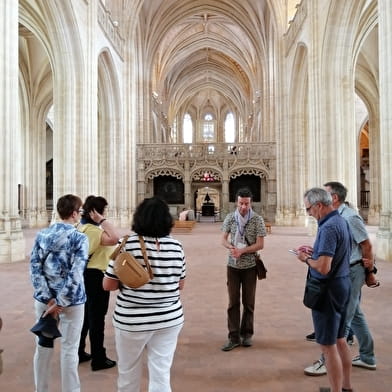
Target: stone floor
{"points": [[280, 352]]}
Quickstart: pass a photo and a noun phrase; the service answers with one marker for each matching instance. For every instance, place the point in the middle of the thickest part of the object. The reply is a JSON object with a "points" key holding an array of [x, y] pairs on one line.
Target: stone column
{"points": [[225, 198], [384, 237], [141, 183], [34, 180], [374, 169], [188, 198], [187, 192], [12, 244], [75, 146]]}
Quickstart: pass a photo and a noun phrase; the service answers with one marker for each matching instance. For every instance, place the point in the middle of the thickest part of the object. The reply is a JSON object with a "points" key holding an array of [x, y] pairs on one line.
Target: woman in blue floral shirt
{"points": [[57, 263]]}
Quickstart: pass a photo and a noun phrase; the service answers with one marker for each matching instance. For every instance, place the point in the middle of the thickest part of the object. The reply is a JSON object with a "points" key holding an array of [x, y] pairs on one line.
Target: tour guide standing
{"points": [[330, 256], [247, 232]]}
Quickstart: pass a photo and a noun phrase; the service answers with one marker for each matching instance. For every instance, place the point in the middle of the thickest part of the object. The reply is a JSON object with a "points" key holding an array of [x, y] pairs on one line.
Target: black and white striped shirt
{"points": [[157, 304]]}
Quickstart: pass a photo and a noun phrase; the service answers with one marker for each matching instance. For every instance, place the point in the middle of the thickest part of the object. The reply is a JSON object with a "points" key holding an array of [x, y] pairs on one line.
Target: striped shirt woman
{"points": [[157, 304], [150, 317]]}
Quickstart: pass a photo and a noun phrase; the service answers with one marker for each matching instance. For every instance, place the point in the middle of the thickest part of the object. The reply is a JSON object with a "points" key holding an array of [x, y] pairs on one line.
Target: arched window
{"points": [[208, 132], [229, 128], [187, 129]]}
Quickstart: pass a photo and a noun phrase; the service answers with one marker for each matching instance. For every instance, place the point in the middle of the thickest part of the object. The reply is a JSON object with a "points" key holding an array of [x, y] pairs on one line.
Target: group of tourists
{"points": [[72, 275]]}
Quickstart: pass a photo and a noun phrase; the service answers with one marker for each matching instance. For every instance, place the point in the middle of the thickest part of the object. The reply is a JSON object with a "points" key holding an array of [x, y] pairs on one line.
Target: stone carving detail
{"points": [[219, 160], [248, 170], [199, 174], [163, 172]]}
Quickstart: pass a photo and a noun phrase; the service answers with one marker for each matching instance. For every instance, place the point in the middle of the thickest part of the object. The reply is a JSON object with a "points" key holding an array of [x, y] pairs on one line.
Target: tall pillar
{"points": [[188, 200], [141, 184], [12, 244], [225, 197], [384, 237], [373, 217], [34, 179]]}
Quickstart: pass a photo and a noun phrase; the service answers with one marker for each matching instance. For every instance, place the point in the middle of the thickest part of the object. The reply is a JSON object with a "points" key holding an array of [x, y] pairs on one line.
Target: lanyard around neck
{"points": [[239, 226]]}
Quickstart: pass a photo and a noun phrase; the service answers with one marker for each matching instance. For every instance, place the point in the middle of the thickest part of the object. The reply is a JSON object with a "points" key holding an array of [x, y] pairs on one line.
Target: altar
{"points": [[208, 209]]}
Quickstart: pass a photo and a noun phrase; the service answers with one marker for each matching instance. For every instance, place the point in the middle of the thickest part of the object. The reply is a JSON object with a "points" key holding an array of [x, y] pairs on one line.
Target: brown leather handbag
{"points": [[128, 270]]}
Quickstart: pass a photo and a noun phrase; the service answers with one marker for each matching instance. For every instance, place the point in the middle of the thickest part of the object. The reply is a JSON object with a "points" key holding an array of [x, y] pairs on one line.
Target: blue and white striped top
{"points": [[157, 304]]}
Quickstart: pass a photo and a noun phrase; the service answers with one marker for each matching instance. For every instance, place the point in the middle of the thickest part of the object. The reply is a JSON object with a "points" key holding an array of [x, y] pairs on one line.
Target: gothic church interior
{"points": [[189, 99]]}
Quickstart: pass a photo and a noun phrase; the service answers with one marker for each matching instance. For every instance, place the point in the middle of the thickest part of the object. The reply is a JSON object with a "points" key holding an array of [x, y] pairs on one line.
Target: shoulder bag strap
{"points": [[143, 247], [333, 272], [249, 244], [117, 251]]}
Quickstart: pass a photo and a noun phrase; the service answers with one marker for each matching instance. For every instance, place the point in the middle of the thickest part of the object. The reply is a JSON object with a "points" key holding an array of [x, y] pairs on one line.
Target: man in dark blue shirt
{"points": [[329, 259]]}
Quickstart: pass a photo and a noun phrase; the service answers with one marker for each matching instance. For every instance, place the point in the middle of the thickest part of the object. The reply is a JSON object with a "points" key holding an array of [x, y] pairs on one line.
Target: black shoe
{"points": [[84, 357], [247, 342], [105, 364], [229, 345], [311, 337]]}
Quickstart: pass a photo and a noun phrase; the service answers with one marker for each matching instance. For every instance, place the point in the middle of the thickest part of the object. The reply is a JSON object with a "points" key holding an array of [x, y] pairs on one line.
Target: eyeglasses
{"points": [[308, 208]]}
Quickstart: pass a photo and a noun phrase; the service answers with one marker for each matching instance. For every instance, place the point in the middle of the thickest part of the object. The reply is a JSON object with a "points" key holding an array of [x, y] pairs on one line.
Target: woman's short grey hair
{"points": [[318, 195]]}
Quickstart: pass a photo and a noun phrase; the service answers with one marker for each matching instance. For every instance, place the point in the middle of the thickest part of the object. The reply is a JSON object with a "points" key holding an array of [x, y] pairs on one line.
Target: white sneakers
{"points": [[357, 362], [317, 369]]}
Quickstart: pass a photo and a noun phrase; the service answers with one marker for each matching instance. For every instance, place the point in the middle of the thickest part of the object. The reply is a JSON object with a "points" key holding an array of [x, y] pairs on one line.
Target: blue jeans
{"points": [[356, 319]]}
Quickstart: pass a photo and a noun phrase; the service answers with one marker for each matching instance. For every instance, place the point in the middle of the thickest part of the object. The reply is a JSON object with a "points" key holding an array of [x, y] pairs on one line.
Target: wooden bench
{"points": [[183, 226]]}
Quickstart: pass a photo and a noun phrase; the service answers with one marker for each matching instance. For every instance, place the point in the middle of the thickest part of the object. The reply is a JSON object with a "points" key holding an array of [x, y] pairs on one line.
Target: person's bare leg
{"points": [[345, 355], [334, 366]]}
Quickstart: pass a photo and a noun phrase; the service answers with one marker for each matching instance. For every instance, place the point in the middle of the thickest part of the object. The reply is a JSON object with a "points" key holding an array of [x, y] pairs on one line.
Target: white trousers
{"points": [[70, 326], [160, 346]]}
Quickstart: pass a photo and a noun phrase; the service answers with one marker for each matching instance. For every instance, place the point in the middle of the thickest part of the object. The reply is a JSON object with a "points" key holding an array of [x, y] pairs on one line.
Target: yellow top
{"points": [[98, 254]]}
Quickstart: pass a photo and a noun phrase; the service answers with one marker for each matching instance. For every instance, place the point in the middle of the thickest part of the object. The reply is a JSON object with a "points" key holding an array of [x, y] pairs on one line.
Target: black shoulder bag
{"points": [[316, 290], [260, 267]]}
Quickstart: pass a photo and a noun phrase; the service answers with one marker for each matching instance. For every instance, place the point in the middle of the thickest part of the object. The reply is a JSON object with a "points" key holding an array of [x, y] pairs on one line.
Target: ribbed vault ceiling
{"points": [[207, 50]]}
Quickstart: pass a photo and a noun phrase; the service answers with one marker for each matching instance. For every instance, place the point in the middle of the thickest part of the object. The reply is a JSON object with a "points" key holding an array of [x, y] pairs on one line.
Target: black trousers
{"points": [[241, 280], [94, 314]]}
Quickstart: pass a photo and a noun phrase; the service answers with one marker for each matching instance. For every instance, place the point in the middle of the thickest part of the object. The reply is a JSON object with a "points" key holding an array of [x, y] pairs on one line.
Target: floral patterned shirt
{"points": [[253, 229], [57, 263]]}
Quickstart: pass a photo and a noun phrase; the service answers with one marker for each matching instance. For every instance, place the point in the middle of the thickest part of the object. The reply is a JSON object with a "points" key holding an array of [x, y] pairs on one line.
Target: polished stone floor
{"points": [[280, 352]]}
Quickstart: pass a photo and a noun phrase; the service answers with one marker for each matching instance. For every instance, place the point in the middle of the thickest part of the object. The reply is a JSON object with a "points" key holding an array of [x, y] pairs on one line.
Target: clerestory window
{"points": [[187, 129], [208, 130], [229, 128]]}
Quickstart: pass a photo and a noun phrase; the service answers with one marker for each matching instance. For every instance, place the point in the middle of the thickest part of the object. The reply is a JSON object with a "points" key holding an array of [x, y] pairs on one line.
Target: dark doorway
{"points": [[170, 189], [250, 181]]}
